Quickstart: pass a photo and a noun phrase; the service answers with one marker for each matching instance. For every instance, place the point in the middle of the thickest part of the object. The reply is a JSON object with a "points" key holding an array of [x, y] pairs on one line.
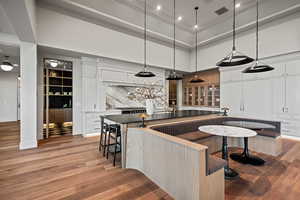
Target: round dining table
{"points": [[225, 132], [245, 157]]}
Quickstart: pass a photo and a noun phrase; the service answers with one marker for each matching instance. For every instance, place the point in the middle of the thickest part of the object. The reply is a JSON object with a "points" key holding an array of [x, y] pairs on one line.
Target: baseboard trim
{"points": [[91, 134]]}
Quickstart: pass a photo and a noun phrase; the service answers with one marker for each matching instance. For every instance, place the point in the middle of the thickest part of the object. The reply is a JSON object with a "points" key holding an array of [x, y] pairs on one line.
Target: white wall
{"points": [[275, 38], [8, 96], [64, 32]]}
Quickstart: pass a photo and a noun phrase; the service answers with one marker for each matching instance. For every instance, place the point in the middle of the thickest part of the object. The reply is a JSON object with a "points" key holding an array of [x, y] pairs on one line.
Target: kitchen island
{"points": [[178, 166], [132, 121]]}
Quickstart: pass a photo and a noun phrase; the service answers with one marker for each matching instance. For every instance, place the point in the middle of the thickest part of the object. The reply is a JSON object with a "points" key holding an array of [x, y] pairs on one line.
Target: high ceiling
{"points": [[5, 26], [127, 16]]}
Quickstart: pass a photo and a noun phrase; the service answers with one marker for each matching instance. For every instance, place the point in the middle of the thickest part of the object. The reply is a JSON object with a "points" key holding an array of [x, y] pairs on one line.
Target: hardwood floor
{"points": [[72, 168]]}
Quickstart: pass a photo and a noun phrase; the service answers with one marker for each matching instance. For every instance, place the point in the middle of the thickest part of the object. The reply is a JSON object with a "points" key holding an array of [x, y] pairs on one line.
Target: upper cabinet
{"points": [[293, 68], [205, 94]]}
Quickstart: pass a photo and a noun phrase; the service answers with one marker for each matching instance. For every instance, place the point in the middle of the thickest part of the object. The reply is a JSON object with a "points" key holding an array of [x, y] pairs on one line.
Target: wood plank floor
{"points": [[72, 168]]}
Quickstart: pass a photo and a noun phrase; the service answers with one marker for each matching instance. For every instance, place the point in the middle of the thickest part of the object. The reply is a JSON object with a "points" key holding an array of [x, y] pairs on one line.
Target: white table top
{"points": [[228, 131]]}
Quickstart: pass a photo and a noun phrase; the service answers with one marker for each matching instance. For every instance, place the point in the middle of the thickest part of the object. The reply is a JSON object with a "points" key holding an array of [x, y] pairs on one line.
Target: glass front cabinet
{"points": [[203, 95]]}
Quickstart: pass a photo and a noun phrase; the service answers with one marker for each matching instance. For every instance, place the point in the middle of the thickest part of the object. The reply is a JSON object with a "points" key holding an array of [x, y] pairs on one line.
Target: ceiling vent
{"points": [[221, 11]]}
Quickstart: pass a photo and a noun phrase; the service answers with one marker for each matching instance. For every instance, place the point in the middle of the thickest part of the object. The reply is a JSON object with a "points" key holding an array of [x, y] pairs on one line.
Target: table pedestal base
{"points": [[245, 157], [230, 173]]}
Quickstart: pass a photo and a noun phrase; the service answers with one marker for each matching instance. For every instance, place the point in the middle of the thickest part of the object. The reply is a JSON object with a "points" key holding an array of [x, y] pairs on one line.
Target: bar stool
{"points": [[103, 137], [115, 134]]}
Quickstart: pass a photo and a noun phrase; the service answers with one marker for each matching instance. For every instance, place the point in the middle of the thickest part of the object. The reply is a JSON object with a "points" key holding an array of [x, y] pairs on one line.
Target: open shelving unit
{"points": [[58, 98]]}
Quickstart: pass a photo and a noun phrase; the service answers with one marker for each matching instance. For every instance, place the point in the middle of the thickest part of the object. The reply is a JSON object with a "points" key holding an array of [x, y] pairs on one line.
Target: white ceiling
{"points": [[5, 26], [127, 16]]}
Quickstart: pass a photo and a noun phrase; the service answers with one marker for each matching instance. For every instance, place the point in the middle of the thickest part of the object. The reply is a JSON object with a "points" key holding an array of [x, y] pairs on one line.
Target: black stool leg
{"points": [[108, 144], [105, 143], [100, 142], [115, 153]]}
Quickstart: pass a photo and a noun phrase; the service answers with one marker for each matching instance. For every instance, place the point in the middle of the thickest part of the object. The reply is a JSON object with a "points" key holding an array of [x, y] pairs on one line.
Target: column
{"points": [[28, 95]]}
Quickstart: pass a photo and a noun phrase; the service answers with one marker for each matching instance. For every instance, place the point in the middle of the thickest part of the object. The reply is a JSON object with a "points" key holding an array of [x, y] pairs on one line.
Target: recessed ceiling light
{"points": [[238, 5], [158, 7], [179, 18], [196, 26]]}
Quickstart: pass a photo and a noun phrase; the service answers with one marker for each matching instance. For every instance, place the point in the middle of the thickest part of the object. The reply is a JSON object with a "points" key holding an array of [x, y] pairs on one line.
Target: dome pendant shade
{"points": [[174, 76], [196, 79], [257, 68], [144, 74], [234, 59]]}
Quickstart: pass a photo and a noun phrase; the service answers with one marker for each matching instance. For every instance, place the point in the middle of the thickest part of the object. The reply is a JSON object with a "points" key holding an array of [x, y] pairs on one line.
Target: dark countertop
{"points": [[133, 118]]}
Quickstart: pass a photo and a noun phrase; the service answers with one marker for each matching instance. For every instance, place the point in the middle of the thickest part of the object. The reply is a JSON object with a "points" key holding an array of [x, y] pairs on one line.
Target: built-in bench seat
{"points": [[268, 133], [214, 164], [188, 130], [194, 136]]}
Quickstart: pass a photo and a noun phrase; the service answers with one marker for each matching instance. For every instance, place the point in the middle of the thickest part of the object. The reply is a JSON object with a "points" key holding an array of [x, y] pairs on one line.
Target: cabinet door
{"points": [[196, 96], [202, 96], [91, 97], [279, 100], [293, 95], [258, 99], [231, 97], [293, 67]]}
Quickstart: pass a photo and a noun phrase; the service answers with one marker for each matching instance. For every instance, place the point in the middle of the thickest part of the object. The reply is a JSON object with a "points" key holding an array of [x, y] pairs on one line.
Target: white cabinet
{"points": [[273, 95], [293, 95], [91, 94], [293, 68], [231, 97], [257, 99], [92, 123]]}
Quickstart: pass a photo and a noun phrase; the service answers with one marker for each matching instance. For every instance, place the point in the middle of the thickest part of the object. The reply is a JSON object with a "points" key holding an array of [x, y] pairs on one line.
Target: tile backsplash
{"points": [[118, 96]]}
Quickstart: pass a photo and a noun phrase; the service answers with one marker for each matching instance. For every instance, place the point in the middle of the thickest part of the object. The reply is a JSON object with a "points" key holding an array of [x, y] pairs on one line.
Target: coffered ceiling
{"points": [[127, 16]]}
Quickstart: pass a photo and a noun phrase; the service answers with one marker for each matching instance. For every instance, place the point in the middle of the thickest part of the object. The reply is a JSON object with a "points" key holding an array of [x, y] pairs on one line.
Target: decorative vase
{"points": [[150, 106]]}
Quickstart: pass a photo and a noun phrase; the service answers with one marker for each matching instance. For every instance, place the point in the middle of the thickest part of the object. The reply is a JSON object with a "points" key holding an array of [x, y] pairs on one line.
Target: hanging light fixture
{"points": [[234, 58], [258, 66], [6, 65], [196, 79], [173, 75], [145, 73]]}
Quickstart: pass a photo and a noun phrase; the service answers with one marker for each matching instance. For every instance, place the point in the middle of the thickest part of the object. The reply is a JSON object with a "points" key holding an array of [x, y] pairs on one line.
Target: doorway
{"points": [[58, 98]]}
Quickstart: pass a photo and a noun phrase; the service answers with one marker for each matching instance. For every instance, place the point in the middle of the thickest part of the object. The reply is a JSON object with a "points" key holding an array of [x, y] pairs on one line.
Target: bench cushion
{"points": [[214, 164], [268, 133], [194, 136]]}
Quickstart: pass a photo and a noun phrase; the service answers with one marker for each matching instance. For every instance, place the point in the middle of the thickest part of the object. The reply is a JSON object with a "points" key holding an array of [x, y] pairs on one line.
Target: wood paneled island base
{"points": [[72, 168]]}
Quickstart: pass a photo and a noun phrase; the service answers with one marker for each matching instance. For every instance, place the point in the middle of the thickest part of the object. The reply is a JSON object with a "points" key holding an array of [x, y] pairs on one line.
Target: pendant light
{"points": [[6, 65], [196, 79], [257, 67], [234, 58], [145, 73], [173, 75]]}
